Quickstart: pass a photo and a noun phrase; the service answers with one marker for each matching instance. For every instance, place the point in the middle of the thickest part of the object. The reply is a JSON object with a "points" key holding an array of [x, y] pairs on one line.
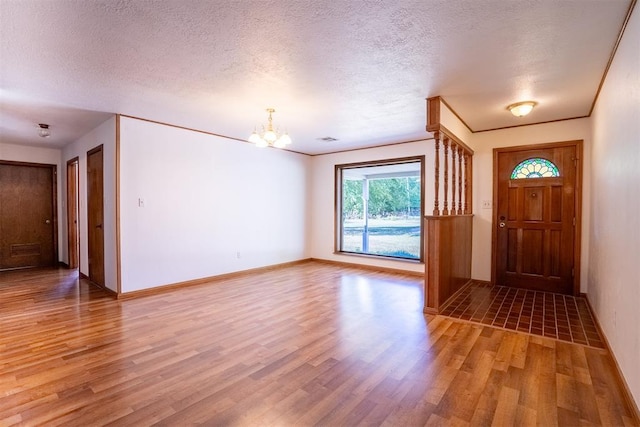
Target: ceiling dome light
{"points": [[43, 130], [521, 109], [270, 137]]}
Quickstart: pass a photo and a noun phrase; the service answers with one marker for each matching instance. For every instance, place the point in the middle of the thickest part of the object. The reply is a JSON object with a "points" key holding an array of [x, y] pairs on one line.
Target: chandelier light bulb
{"points": [[270, 136], [285, 139], [254, 138]]}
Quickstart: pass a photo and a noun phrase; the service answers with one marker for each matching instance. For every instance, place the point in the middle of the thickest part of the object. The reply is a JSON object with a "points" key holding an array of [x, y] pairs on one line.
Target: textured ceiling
{"points": [[349, 69]]}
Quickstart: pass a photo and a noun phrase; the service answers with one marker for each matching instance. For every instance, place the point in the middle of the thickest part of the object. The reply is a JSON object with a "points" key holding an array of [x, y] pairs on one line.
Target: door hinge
{"points": [[573, 272], [574, 221]]}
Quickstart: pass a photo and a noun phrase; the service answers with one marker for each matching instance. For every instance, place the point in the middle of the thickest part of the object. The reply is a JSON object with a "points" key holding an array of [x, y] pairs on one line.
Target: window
{"points": [[379, 208], [535, 168]]}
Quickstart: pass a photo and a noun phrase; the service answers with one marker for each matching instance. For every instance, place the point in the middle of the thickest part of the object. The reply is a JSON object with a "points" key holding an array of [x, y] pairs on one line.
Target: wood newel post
{"points": [[460, 154], [445, 205], [436, 173], [454, 151]]}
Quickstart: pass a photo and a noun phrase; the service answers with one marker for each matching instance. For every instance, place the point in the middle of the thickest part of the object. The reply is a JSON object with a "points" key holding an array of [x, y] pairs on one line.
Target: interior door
{"points": [[95, 215], [27, 215], [72, 212], [535, 218]]}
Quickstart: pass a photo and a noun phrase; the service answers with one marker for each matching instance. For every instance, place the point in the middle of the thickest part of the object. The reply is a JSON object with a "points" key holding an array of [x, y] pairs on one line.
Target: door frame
{"points": [[54, 199], [577, 235], [73, 238]]}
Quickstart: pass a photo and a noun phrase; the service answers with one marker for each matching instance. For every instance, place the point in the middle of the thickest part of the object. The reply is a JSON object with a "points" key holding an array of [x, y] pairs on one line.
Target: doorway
{"points": [[95, 215], [73, 203], [536, 221], [28, 223]]}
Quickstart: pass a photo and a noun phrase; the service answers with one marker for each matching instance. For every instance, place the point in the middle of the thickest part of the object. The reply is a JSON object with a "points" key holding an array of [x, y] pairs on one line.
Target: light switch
{"points": [[141, 202]]}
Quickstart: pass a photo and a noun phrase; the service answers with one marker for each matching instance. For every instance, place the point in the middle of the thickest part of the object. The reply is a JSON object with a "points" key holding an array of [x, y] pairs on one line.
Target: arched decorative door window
{"points": [[535, 168]]}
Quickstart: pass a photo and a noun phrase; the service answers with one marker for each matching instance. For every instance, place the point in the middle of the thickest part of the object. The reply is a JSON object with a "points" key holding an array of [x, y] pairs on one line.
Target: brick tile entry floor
{"points": [[562, 317]]}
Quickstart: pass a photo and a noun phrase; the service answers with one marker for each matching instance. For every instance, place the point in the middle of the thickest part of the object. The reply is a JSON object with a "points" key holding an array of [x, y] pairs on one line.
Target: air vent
{"points": [[328, 139]]}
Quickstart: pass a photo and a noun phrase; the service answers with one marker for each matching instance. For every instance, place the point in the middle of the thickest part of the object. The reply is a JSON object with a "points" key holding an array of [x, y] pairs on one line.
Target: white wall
{"points": [[453, 124], [614, 257], [206, 200], [104, 134], [51, 156], [323, 202], [483, 144]]}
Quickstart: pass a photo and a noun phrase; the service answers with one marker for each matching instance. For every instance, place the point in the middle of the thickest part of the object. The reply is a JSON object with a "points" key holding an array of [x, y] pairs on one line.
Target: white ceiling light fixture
{"points": [[270, 137], [521, 109], [43, 130]]}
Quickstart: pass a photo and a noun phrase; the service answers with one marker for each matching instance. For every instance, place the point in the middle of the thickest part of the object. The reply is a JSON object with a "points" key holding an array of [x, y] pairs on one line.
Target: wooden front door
{"points": [[95, 215], [27, 215], [536, 206]]}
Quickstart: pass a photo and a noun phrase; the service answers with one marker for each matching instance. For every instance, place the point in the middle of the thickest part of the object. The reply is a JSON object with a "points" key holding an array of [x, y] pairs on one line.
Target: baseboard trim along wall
{"points": [[210, 279], [369, 267], [627, 391], [81, 275]]}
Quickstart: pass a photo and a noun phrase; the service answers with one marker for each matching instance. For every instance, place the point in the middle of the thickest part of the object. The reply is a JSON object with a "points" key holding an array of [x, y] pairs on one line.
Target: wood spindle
{"points": [[467, 195], [454, 151], [460, 154], [436, 173], [445, 205], [470, 183]]}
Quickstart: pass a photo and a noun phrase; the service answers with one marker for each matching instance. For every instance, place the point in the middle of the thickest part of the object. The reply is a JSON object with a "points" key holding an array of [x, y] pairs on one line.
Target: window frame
{"points": [[338, 224]]}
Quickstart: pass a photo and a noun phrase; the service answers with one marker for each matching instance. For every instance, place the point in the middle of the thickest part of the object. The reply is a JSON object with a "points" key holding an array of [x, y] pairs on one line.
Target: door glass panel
{"points": [[535, 168]]}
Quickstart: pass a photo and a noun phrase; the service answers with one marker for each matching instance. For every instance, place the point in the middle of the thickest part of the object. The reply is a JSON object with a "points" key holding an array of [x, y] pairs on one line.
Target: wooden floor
{"points": [[311, 344]]}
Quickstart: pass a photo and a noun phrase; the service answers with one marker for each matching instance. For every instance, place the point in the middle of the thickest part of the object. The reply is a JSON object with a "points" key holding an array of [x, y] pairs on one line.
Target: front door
{"points": [[27, 220], [536, 208], [95, 215]]}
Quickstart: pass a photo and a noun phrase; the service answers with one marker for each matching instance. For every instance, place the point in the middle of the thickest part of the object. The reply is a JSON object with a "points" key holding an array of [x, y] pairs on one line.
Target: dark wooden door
{"points": [[95, 215], [72, 213], [27, 215], [535, 217]]}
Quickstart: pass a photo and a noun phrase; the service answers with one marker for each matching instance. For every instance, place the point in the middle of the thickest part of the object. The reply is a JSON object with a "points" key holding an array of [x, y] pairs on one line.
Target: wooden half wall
{"points": [[449, 230], [448, 254]]}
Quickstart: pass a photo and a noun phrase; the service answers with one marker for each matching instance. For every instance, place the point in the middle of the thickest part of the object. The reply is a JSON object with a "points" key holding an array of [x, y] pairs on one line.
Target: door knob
{"points": [[46, 221], [502, 224]]}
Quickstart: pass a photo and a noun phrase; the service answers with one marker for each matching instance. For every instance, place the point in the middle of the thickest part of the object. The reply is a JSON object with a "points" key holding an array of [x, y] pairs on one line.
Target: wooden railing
{"points": [[448, 230]]}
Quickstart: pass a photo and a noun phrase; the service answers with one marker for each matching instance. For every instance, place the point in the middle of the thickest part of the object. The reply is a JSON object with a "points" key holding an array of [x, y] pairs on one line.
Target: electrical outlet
{"points": [[487, 204], [238, 255]]}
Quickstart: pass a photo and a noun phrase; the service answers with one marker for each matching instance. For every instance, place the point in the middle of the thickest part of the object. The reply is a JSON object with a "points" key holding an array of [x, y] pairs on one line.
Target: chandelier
{"points": [[270, 137]]}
